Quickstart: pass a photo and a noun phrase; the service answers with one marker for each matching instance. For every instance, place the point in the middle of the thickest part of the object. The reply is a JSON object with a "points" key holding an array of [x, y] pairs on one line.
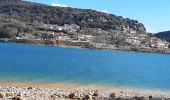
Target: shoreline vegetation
{"points": [[38, 43], [63, 91]]}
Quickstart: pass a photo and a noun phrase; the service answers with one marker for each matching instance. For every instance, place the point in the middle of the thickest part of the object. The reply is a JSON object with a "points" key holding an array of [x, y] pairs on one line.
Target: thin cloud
{"points": [[104, 11], [59, 4], [149, 30]]}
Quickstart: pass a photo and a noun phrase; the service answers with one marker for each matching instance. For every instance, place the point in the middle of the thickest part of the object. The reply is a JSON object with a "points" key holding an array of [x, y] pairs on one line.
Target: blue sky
{"points": [[154, 14]]}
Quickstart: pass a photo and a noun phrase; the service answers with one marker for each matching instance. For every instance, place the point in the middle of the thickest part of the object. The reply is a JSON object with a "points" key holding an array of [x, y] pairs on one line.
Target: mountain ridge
{"points": [[163, 35]]}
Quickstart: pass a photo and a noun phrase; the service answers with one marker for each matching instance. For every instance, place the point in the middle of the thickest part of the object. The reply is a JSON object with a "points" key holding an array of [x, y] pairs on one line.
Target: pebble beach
{"points": [[52, 92]]}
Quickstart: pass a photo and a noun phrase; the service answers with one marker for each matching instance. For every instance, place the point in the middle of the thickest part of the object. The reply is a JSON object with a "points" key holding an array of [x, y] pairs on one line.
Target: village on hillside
{"points": [[95, 37]]}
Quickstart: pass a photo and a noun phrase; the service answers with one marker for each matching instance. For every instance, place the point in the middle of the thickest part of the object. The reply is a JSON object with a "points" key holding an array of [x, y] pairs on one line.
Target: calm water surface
{"points": [[29, 63]]}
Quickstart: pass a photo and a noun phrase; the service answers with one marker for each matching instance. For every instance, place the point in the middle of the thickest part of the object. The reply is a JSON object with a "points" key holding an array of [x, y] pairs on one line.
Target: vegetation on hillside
{"points": [[33, 12], [163, 35]]}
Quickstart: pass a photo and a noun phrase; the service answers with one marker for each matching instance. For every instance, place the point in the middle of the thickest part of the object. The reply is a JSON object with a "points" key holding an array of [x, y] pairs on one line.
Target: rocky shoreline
{"points": [[158, 51], [31, 93]]}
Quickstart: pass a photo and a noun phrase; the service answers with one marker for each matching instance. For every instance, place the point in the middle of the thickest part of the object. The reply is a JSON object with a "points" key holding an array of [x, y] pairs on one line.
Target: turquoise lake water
{"points": [[19, 62]]}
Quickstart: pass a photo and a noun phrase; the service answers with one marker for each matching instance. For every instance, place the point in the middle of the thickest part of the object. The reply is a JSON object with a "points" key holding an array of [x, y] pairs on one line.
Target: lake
{"points": [[21, 62]]}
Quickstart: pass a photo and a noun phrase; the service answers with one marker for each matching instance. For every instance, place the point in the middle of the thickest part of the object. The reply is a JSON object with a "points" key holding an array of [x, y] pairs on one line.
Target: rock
{"points": [[17, 98], [60, 96], [112, 96], [88, 97], [79, 98], [9, 94], [141, 98], [19, 95], [71, 96], [29, 88], [54, 96], [42, 94], [150, 97], [2, 95], [95, 94]]}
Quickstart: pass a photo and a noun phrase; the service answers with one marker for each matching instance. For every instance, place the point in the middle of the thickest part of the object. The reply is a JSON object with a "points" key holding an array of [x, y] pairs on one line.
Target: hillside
{"points": [[163, 35], [27, 22], [33, 12]]}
